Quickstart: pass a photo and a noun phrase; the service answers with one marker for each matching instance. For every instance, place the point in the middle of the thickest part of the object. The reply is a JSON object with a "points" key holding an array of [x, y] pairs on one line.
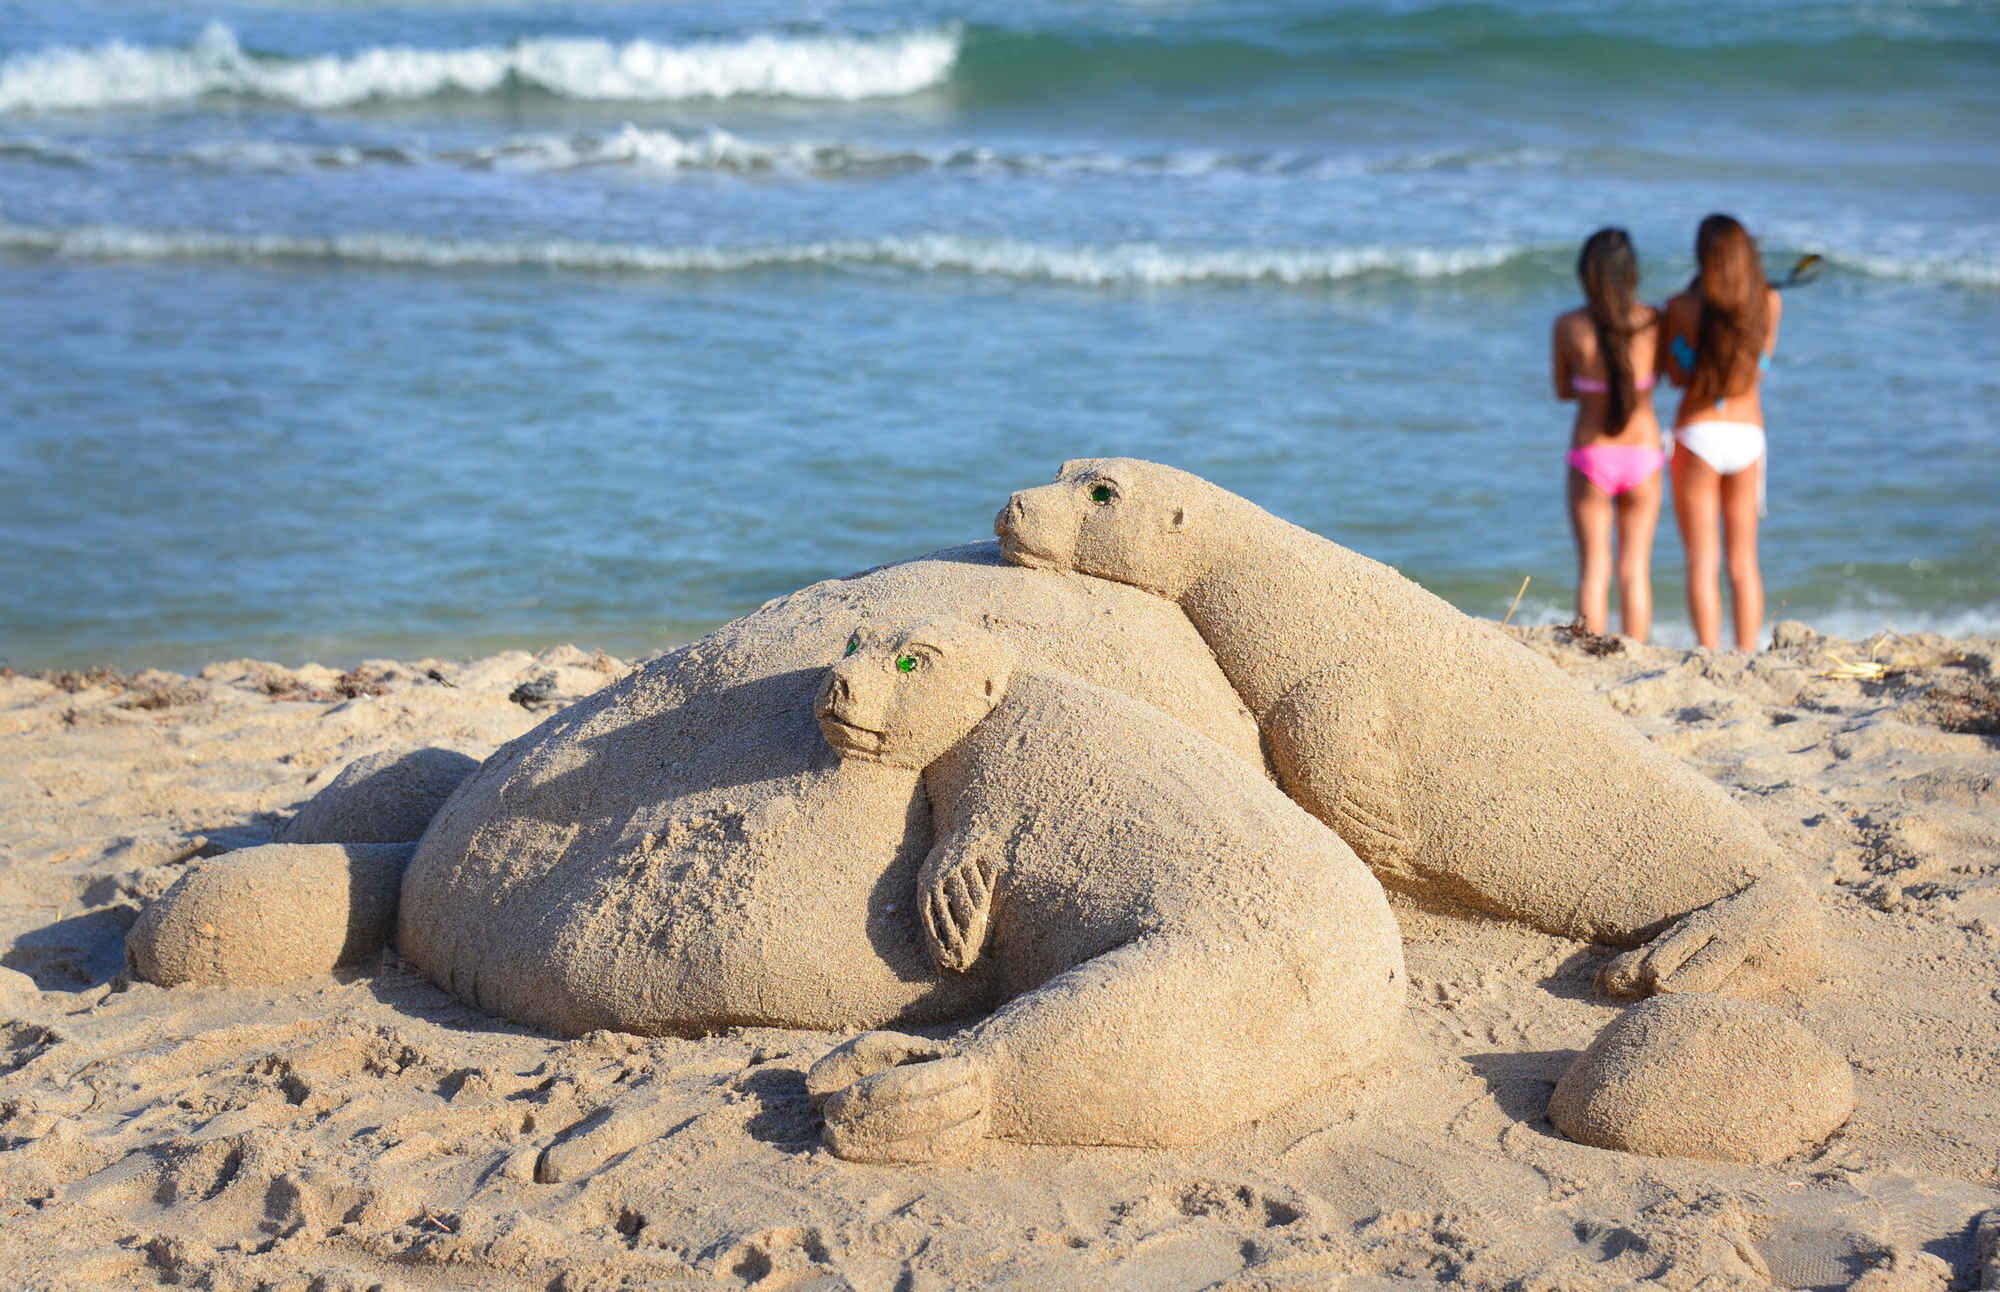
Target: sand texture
{"points": [[1180, 947], [367, 1128], [1457, 764]]}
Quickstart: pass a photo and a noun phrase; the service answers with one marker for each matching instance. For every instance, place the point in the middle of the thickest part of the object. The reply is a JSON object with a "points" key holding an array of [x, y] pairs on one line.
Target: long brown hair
{"points": [[1735, 310], [1609, 270]]}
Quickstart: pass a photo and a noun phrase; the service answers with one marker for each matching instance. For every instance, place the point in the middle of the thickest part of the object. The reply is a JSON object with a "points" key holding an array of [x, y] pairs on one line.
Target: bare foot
{"points": [[955, 894], [1755, 943], [888, 1097]]}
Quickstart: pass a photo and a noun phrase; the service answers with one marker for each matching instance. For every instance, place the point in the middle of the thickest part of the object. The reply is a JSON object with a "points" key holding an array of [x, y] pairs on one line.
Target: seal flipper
{"points": [[1336, 752], [955, 896], [1759, 942]]}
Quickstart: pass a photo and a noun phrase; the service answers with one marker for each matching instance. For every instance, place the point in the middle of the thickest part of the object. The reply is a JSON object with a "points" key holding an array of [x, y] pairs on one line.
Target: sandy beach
{"points": [[365, 1129]]}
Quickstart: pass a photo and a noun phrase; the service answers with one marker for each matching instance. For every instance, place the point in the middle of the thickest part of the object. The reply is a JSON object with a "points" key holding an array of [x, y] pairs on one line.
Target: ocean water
{"points": [[337, 328]]}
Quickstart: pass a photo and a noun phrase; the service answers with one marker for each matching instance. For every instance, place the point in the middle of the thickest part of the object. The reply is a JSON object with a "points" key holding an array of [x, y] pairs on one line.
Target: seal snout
{"points": [[834, 710], [1009, 518], [834, 694], [1012, 526]]}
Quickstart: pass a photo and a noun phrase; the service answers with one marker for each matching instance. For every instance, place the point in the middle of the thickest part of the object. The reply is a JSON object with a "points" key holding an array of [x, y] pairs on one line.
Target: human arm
{"points": [[1677, 328], [1559, 365]]}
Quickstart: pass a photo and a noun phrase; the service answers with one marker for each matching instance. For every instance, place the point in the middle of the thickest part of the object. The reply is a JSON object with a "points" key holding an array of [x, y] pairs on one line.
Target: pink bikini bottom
{"points": [[1614, 468]]}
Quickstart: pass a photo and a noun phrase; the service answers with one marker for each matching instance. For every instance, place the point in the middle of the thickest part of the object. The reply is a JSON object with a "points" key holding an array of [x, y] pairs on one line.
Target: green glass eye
{"points": [[853, 644], [906, 663], [1101, 494]]}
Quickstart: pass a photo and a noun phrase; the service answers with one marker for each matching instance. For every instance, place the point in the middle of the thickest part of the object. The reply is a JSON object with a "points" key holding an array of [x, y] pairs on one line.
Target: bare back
{"points": [[1575, 355], [1682, 322]]}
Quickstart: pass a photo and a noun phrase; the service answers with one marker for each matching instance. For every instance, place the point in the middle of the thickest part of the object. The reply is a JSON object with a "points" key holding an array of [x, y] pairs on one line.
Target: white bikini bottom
{"points": [[1729, 447]]}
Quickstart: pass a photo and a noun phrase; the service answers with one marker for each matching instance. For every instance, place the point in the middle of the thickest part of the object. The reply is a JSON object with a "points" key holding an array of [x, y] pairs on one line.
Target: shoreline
{"points": [[1671, 631], [368, 1127]]}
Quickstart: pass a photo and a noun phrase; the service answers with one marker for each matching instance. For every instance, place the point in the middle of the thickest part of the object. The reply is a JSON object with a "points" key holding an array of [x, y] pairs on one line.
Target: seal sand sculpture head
{"points": [[1179, 947], [904, 702], [1457, 762]]}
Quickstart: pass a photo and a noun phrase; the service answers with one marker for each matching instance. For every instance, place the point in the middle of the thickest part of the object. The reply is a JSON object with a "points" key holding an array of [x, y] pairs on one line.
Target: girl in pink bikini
{"points": [[1603, 357], [1720, 333]]}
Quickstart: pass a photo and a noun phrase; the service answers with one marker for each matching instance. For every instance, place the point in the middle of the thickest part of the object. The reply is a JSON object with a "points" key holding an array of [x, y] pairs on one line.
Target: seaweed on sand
{"points": [[1588, 642]]}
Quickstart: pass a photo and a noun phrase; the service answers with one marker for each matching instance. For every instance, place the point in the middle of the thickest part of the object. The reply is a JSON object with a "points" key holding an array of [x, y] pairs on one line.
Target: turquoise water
{"points": [[338, 329]]}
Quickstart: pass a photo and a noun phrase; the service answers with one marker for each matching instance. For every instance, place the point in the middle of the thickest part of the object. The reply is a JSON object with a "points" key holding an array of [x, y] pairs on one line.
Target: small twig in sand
{"points": [[1517, 599], [433, 1218], [1867, 670]]}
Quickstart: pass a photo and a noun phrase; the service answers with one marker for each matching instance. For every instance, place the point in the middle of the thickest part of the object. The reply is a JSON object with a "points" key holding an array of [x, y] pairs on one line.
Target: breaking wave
{"points": [[720, 150], [1952, 270], [119, 75], [1126, 265]]}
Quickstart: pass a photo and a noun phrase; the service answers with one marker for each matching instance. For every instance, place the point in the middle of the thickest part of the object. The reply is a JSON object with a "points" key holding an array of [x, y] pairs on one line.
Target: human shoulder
{"points": [[1574, 328]]}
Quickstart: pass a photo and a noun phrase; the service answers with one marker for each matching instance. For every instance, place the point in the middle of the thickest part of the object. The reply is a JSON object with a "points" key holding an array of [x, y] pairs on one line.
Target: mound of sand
{"points": [[382, 798], [306, 908], [1704, 1076]]}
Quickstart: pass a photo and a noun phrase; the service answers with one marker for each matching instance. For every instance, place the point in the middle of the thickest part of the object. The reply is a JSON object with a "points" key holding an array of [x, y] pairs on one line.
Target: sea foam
{"points": [[663, 148], [1125, 265], [827, 67], [1956, 270]]}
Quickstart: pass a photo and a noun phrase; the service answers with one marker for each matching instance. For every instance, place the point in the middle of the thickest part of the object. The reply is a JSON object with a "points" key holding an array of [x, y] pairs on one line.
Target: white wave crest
{"points": [[1849, 621], [1129, 265], [655, 149], [1460, 159], [1964, 271], [121, 75], [269, 155], [659, 148]]}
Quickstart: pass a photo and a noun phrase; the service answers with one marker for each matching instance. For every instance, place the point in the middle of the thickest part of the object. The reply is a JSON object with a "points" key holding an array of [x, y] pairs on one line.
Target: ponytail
{"points": [[1609, 271]]}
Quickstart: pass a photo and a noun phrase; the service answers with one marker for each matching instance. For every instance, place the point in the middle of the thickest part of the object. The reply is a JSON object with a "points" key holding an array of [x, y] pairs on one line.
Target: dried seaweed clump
{"points": [[71, 681], [1970, 708], [1588, 642], [153, 694]]}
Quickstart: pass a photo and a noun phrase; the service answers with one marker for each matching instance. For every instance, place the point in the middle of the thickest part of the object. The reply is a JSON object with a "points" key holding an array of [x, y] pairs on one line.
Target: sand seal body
{"points": [[1458, 763], [1178, 945], [683, 852]]}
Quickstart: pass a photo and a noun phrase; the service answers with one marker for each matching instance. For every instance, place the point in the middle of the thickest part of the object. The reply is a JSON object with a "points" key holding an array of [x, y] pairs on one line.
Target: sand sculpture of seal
{"points": [[1457, 762], [682, 852], [1180, 946]]}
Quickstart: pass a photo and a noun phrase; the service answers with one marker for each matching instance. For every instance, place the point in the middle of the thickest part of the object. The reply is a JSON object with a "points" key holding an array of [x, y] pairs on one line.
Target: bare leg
{"points": [[1697, 503], [1739, 533], [1638, 513], [1590, 520]]}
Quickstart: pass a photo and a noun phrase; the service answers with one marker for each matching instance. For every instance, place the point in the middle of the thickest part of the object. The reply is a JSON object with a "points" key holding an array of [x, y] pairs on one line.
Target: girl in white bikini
{"points": [[1720, 333], [1603, 356]]}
